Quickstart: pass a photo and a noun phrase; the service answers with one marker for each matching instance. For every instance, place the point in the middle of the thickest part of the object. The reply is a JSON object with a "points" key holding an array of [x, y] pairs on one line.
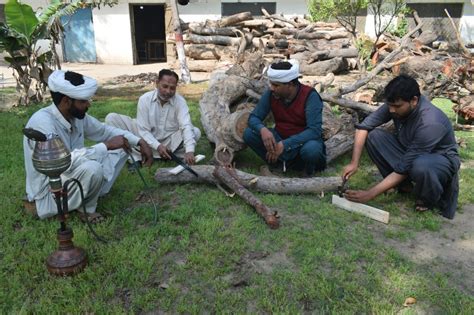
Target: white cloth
{"points": [[57, 83], [173, 142], [49, 120], [284, 76], [157, 123]]}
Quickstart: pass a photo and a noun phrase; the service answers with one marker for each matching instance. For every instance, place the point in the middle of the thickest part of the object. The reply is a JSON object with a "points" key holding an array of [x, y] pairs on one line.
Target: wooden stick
{"points": [[368, 211]]}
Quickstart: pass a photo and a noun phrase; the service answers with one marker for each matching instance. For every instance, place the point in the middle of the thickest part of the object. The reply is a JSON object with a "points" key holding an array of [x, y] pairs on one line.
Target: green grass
{"points": [[209, 253]]}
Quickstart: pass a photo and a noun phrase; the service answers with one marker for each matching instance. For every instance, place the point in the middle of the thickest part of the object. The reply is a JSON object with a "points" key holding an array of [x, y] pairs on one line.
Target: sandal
{"points": [[93, 218], [421, 206]]}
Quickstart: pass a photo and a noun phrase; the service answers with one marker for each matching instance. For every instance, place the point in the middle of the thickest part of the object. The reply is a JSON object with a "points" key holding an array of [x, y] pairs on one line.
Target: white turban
{"points": [[284, 76], [57, 83]]}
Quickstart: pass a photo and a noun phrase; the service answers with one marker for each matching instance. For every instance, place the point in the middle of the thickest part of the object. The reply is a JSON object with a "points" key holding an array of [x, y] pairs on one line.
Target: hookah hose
{"points": [[145, 186], [65, 205]]}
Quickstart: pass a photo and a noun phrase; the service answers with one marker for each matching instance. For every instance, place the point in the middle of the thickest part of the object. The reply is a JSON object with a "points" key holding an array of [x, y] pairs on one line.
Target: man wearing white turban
{"points": [[296, 140], [95, 167]]}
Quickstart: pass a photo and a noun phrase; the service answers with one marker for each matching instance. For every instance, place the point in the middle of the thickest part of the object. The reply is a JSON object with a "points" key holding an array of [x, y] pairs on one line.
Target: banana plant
{"points": [[19, 37]]}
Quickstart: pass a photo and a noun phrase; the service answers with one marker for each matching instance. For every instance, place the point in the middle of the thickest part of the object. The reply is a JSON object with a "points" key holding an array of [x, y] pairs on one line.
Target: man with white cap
{"points": [[95, 167], [296, 140]]}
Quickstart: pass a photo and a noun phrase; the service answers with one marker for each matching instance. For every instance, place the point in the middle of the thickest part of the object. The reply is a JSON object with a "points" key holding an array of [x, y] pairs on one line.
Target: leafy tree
{"points": [[20, 36], [384, 12]]}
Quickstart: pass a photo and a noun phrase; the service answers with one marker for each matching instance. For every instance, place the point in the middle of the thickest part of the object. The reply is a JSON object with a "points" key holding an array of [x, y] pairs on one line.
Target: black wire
{"points": [[83, 206]]}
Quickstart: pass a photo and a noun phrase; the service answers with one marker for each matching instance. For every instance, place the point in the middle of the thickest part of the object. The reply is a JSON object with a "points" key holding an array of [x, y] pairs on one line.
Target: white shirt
{"points": [[156, 122], [49, 120]]}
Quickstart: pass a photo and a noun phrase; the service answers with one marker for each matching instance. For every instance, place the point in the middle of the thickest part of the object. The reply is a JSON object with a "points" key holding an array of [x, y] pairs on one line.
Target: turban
{"points": [[284, 76], [57, 83]]}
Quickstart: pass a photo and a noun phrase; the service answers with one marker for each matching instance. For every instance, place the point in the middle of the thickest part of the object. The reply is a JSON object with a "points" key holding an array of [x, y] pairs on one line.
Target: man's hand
{"points": [[349, 170], [189, 158], [268, 139], [117, 142], [163, 151], [272, 157], [361, 196], [145, 150]]}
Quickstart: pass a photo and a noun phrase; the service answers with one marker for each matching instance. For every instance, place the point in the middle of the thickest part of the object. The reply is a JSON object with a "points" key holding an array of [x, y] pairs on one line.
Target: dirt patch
{"points": [[257, 262], [448, 251]]}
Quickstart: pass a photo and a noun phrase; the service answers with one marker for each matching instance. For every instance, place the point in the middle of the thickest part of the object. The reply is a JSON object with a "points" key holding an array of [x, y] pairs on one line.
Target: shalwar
{"points": [[422, 147], [168, 124], [95, 167]]}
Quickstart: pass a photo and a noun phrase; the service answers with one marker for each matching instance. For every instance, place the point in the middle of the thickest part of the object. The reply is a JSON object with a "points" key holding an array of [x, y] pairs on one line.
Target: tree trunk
{"points": [[266, 184], [210, 52], [185, 74], [217, 40], [223, 31], [335, 65], [234, 19], [329, 54]]}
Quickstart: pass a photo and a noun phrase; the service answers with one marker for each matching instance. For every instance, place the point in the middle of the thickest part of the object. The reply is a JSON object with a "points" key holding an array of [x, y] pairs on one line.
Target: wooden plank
{"points": [[365, 210], [178, 169]]}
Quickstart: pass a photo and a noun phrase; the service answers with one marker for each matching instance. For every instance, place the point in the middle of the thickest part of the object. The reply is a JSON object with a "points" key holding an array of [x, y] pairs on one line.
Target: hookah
{"points": [[52, 158]]}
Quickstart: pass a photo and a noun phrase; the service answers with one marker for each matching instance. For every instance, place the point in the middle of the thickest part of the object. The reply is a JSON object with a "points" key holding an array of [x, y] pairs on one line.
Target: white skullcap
{"points": [[284, 76], [57, 83]]}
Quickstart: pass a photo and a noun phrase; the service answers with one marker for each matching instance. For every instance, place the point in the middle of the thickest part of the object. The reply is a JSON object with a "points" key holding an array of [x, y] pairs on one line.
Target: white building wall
{"points": [[201, 10], [113, 34], [466, 24]]}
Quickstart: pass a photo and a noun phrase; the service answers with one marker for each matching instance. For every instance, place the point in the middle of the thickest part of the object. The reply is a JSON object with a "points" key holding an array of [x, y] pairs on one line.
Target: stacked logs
{"points": [[319, 47]]}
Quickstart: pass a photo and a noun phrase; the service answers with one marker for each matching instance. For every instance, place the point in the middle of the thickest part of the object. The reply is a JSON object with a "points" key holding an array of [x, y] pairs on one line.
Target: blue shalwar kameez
{"points": [[423, 147]]}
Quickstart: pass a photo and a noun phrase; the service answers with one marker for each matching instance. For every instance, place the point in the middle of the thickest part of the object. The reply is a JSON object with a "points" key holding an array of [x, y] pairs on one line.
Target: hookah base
{"points": [[68, 259]]}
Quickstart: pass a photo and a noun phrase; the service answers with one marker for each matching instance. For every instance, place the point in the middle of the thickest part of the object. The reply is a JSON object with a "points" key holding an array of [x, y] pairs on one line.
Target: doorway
{"points": [[149, 33]]}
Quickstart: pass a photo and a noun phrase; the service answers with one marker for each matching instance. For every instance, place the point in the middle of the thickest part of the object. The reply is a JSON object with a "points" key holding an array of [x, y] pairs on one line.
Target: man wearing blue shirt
{"points": [[422, 149], [296, 140]]}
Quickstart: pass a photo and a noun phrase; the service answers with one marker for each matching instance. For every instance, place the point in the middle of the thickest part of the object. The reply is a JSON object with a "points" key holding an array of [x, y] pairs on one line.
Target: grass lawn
{"points": [[213, 254]]}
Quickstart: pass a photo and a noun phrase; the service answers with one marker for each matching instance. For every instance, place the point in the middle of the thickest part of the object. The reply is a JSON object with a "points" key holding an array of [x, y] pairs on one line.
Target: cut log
{"points": [[332, 53], [217, 40], [265, 184], [335, 65], [223, 31], [234, 19], [210, 52], [228, 177], [202, 65], [257, 23]]}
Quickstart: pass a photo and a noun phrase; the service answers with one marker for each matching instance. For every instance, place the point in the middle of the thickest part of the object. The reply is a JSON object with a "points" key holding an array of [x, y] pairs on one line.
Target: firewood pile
{"points": [[320, 47], [227, 103]]}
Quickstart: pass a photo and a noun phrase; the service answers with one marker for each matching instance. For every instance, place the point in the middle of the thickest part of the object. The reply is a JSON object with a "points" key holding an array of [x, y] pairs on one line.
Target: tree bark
{"points": [[335, 65], [185, 74], [210, 51], [196, 28], [266, 184], [217, 40], [229, 177], [234, 19]]}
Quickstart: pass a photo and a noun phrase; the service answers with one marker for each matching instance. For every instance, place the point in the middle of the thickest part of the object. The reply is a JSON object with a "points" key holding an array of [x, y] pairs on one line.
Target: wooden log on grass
{"points": [[266, 184]]}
